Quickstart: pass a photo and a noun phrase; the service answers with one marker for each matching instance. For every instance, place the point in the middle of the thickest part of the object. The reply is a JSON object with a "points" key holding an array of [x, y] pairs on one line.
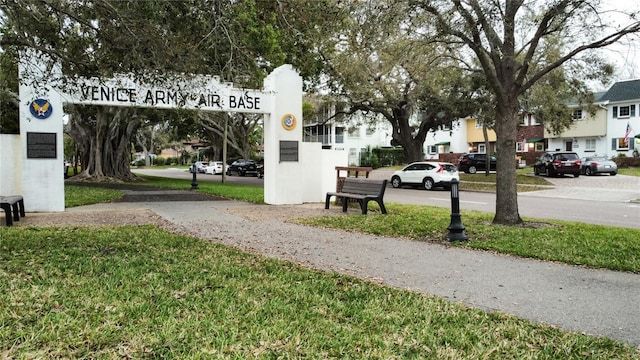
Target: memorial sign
{"points": [[41, 145]]}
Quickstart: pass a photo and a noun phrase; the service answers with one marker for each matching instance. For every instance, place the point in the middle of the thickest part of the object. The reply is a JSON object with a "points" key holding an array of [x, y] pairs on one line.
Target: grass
{"points": [[629, 171], [83, 195], [142, 292]]}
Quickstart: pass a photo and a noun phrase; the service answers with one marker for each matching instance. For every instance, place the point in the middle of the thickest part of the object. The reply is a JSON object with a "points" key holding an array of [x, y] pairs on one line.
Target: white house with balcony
{"points": [[355, 133]]}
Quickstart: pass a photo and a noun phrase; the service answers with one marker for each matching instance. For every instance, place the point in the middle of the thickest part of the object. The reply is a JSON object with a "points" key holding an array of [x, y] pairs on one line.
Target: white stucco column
{"points": [[282, 134], [41, 161]]}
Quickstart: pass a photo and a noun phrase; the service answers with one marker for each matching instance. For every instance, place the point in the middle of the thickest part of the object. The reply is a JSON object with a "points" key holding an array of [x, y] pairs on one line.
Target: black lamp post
{"points": [[194, 181], [456, 229]]}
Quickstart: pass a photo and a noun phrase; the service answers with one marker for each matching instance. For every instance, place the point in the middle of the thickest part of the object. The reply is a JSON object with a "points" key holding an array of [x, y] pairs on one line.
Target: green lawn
{"points": [[142, 292]]}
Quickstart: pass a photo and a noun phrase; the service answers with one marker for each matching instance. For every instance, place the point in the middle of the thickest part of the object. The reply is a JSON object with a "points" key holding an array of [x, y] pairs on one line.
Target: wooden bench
{"points": [[13, 207], [362, 190]]}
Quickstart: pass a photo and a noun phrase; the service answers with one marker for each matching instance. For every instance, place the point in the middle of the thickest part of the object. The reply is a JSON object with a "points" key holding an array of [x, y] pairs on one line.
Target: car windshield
{"points": [[564, 157]]}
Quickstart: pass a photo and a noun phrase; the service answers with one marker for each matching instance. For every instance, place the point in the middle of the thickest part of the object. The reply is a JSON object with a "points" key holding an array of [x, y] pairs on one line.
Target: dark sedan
{"points": [[243, 167]]}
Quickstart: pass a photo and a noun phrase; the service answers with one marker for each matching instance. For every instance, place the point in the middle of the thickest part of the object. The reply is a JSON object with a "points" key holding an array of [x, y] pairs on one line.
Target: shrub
{"points": [[625, 162], [159, 161]]}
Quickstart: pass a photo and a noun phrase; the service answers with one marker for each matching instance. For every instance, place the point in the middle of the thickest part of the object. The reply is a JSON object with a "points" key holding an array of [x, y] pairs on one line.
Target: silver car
{"points": [[594, 165]]}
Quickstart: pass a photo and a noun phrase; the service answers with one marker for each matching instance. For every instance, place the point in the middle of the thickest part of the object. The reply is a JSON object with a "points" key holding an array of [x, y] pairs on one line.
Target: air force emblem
{"points": [[40, 108]]}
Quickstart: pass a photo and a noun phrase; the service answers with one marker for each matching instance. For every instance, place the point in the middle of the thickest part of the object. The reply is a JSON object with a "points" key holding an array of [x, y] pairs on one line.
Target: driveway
{"points": [[619, 188]]}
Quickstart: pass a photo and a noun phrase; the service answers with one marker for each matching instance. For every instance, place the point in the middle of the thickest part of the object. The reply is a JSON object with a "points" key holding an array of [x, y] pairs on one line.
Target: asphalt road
{"points": [[602, 200]]}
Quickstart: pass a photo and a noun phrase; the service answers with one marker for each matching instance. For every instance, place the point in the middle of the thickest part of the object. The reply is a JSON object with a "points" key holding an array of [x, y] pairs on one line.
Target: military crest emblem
{"points": [[40, 108]]}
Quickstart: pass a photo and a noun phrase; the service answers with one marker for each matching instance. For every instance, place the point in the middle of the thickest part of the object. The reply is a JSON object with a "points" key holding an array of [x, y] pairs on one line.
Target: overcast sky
{"points": [[626, 54]]}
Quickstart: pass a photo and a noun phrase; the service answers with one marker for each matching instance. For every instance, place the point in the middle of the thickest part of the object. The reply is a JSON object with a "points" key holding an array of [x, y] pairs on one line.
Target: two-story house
{"points": [[623, 117], [610, 132], [586, 135]]}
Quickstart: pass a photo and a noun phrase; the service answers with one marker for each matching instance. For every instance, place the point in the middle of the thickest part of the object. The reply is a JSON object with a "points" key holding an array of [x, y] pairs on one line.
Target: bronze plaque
{"points": [[41, 145], [288, 150]]}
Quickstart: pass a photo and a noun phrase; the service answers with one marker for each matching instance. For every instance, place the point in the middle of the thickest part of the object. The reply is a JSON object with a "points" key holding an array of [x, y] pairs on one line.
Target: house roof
{"points": [[622, 91]]}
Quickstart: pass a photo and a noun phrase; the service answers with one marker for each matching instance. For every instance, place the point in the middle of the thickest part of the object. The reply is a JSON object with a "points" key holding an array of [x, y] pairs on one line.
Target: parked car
{"points": [[243, 167], [473, 162], [557, 164], [427, 174], [594, 165], [261, 170], [214, 168], [199, 166]]}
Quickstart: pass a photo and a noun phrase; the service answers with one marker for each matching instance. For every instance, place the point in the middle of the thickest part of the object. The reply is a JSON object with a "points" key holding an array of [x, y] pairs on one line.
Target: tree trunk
{"points": [[403, 133], [485, 134], [506, 187], [104, 140]]}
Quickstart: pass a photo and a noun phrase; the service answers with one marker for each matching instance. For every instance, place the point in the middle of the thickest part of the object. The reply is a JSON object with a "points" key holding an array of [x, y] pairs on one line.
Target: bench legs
{"points": [[7, 213], [13, 211], [363, 203], [382, 208], [364, 206], [326, 201]]}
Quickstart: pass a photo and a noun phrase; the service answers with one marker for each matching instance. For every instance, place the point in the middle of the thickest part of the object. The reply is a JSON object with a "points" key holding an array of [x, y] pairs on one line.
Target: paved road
{"points": [[602, 200]]}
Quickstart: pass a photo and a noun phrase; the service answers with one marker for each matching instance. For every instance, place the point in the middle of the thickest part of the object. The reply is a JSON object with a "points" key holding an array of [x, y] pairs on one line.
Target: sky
{"points": [[625, 54]]}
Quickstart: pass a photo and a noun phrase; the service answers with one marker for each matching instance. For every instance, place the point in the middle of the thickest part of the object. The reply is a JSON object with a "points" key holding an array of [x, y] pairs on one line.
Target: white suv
{"points": [[427, 174]]}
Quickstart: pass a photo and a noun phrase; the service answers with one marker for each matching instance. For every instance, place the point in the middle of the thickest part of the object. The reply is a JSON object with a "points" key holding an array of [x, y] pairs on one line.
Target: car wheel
{"points": [[588, 171], [547, 173], [576, 175], [428, 183], [472, 169], [396, 182], [613, 173], [536, 171]]}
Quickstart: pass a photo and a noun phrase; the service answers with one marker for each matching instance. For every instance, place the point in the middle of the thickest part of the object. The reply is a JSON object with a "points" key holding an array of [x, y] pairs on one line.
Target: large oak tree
{"points": [[508, 40], [148, 39], [380, 65]]}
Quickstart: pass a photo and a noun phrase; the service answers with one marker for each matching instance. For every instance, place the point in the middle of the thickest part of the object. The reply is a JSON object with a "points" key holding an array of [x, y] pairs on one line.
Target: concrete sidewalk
{"points": [[597, 302]]}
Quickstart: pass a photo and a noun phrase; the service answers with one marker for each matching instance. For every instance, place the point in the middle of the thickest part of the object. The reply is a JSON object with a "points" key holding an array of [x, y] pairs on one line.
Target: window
{"points": [[482, 149], [539, 146], [478, 124], [520, 147], [590, 145], [354, 131], [370, 131], [624, 112], [577, 114], [432, 149], [339, 135], [620, 144]]}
